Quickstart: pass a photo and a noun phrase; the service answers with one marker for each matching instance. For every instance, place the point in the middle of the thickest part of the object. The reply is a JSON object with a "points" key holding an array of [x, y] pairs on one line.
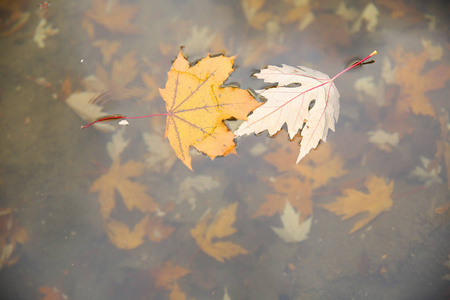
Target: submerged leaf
{"points": [[220, 227], [292, 231], [415, 83], [124, 238], [117, 178], [355, 202], [168, 274]]}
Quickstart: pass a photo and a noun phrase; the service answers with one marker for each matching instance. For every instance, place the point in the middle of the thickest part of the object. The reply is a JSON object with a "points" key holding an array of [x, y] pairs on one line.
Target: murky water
{"points": [[114, 214]]}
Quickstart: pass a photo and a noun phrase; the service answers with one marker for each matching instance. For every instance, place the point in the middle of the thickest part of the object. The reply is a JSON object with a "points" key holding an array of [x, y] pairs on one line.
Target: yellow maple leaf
{"points": [[113, 16], [197, 105], [122, 237], [355, 202], [118, 179], [220, 227], [287, 188], [414, 83], [167, 275]]}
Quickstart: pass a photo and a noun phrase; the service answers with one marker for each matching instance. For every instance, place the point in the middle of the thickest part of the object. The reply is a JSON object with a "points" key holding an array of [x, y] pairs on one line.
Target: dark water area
{"points": [[111, 212]]}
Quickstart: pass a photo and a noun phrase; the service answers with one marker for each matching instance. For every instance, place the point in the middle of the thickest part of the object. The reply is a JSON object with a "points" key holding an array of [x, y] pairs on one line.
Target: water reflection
{"points": [[113, 213]]}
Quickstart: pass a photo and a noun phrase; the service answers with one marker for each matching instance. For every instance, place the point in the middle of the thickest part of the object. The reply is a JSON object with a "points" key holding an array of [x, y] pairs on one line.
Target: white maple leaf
{"points": [[429, 177], [312, 107], [347, 13], [291, 231], [44, 30], [370, 15], [384, 140]]}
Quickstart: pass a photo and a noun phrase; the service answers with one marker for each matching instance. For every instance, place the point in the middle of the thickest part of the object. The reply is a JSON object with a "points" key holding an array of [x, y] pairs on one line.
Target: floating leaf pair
{"points": [[197, 105]]}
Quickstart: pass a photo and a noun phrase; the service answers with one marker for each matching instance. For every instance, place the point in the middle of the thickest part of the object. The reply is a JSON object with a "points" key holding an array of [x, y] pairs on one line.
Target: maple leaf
{"points": [[304, 99], [383, 140], [354, 202], [282, 107], [197, 105], [44, 30], [220, 227], [113, 16], [347, 13], [426, 174], [167, 275], [287, 188], [370, 15], [301, 13], [118, 179], [124, 238], [414, 83], [292, 231]]}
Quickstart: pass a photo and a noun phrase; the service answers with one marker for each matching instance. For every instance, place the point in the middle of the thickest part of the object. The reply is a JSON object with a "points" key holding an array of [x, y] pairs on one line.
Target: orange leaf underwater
{"points": [[220, 227], [133, 193], [167, 275], [197, 105], [122, 237], [355, 202], [414, 82]]}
